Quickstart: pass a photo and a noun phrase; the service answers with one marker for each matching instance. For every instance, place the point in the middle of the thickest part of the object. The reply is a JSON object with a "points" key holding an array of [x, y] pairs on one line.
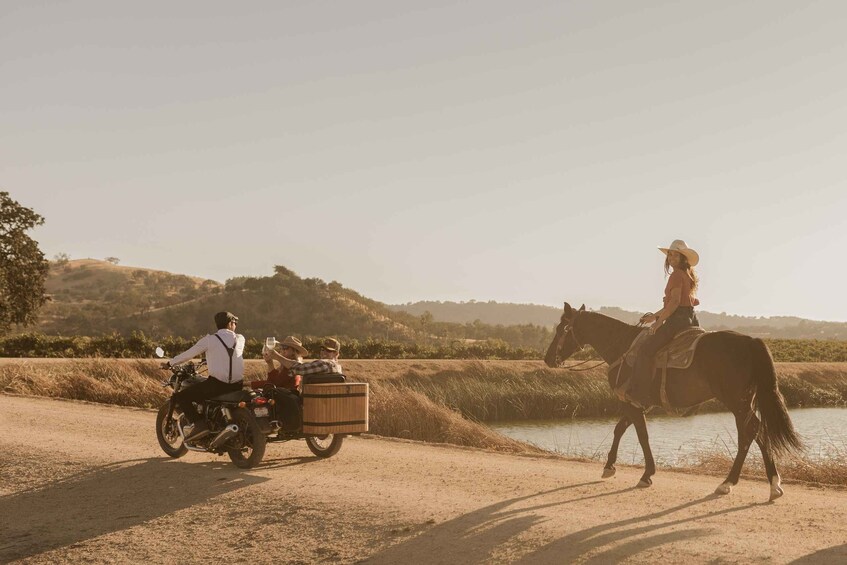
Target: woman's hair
{"points": [[683, 264]]}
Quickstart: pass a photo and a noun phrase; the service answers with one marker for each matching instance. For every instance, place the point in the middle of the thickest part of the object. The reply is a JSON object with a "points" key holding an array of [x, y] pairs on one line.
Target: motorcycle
{"points": [[240, 423]]}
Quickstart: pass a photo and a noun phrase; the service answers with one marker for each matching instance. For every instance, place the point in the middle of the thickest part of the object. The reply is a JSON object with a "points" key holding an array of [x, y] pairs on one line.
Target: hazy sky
{"points": [[511, 151]]}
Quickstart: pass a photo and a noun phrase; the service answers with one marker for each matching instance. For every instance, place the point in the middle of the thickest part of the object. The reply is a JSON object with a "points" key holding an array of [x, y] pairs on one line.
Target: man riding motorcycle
{"points": [[224, 351]]}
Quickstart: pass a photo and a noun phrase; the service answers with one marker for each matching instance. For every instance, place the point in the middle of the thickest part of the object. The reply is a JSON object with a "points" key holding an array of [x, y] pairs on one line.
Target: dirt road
{"points": [[88, 483]]}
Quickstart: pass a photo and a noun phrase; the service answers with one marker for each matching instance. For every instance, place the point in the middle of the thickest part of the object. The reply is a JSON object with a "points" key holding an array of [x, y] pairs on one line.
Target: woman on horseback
{"points": [[676, 315]]}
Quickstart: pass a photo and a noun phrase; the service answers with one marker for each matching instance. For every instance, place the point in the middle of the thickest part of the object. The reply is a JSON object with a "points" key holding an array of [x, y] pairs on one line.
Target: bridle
{"points": [[569, 329]]}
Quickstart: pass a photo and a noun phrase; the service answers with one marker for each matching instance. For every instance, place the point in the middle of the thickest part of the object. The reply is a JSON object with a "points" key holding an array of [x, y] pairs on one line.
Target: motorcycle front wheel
{"points": [[324, 446], [247, 448], [167, 432]]}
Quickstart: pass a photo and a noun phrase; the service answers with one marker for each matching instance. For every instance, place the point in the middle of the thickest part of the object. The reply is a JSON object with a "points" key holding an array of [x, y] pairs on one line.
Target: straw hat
{"points": [[291, 341], [331, 344], [680, 246]]}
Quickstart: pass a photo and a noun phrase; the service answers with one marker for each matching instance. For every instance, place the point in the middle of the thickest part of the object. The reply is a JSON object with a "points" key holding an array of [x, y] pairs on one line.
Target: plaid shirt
{"points": [[316, 367]]}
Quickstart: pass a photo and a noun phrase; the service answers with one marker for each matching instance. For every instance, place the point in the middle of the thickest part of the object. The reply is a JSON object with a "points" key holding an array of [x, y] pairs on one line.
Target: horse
{"points": [[736, 369]]}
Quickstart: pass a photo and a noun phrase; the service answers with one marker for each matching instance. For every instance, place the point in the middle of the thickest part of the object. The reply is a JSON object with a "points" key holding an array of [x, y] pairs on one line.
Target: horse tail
{"points": [[776, 431]]}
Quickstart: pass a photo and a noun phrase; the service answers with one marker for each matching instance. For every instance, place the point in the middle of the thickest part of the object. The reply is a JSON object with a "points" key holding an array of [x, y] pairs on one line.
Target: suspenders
{"points": [[230, 351]]}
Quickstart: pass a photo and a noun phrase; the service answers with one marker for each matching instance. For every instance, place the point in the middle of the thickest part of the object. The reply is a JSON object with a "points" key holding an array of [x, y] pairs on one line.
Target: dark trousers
{"points": [[209, 388], [288, 409], [683, 318]]}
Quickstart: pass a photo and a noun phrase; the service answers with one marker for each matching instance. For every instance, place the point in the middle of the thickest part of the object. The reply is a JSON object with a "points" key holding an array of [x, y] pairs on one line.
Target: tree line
{"points": [[138, 345]]}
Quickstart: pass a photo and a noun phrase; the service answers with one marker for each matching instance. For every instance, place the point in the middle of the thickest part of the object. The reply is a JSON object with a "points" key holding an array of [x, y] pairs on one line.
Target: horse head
{"points": [[564, 343]]}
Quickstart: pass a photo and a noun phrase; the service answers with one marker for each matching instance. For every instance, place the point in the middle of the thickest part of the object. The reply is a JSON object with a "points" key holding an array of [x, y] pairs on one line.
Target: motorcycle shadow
{"points": [[109, 498], [282, 462]]}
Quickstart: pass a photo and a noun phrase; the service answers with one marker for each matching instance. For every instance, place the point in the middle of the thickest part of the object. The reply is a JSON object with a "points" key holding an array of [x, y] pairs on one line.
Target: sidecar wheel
{"points": [[247, 448], [325, 446], [168, 434]]}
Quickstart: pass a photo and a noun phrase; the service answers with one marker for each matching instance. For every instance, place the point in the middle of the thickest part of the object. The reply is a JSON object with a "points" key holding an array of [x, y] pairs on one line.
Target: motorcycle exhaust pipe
{"points": [[227, 433]]}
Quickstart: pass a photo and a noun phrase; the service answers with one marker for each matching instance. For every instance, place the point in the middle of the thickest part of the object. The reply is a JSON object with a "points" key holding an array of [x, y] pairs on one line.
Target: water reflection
{"points": [[676, 440]]}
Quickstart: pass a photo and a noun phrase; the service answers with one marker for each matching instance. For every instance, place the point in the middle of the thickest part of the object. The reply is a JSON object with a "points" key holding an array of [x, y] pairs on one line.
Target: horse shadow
{"points": [[469, 538], [107, 499], [473, 537], [629, 536], [834, 554]]}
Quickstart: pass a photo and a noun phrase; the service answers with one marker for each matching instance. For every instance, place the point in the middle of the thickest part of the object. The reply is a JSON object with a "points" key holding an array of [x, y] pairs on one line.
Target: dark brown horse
{"points": [[736, 369]]}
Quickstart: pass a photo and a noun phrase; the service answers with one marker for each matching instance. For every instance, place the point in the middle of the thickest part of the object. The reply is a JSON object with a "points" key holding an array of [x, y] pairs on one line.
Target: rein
{"points": [[581, 347]]}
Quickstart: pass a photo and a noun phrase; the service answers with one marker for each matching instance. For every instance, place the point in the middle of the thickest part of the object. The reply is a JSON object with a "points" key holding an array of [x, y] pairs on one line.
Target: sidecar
{"points": [[329, 407]]}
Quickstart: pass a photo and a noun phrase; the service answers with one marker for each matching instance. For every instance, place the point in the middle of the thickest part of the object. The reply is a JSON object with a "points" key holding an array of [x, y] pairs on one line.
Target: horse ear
{"points": [[582, 308], [568, 309]]}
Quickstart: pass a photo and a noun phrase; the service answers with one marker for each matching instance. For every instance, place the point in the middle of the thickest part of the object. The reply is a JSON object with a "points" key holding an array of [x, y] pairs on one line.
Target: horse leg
{"points": [[620, 428], [748, 426], [637, 417], [774, 479]]}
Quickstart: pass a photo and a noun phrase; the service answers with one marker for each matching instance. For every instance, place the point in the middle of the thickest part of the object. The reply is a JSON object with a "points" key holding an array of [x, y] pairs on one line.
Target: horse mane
{"points": [[610, 337]]}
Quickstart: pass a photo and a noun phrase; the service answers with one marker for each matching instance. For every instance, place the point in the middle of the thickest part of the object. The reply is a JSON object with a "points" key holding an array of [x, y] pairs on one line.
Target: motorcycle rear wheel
{"points": [[325, 446], [167, 433], [248, 446]]}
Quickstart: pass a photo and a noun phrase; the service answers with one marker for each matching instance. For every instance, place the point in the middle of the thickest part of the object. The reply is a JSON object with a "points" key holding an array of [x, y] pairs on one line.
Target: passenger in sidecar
{"points": [[283, 385]]}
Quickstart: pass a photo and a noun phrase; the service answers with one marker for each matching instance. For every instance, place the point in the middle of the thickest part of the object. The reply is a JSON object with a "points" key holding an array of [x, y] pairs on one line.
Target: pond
{"points": [[676, 440]]}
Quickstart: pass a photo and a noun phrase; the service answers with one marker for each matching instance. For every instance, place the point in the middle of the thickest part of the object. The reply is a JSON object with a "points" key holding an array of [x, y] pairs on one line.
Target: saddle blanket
{"points": [[678, 354]]}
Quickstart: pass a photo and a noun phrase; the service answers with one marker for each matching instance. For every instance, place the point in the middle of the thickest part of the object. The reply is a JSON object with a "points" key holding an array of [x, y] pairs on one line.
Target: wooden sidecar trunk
{"points": [[336, 408]]}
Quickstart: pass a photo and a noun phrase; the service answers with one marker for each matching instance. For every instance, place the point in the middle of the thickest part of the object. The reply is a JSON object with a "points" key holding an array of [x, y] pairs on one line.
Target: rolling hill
{"points": [[491, 312], [91, 297]]}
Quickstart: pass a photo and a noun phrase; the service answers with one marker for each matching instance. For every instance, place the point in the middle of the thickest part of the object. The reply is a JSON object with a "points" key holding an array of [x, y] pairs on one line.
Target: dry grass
{"points": [[125, 383], [397, 412], [795, 468], [496, 391], [429, 400], [394, 411]]}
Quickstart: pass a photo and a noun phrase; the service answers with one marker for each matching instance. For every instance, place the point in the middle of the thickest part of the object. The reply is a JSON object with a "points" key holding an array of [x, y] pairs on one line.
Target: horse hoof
{"points": [[607, 472], [776, 490], [644, 484], [724, 488]]}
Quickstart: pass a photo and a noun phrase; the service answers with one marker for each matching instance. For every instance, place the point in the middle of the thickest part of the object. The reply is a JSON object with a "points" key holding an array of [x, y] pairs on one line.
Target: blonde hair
{"points": [[689, 270]]}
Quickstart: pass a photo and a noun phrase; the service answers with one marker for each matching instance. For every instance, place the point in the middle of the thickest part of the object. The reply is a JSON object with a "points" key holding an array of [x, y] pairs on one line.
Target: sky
{"points": [[529, 152]]}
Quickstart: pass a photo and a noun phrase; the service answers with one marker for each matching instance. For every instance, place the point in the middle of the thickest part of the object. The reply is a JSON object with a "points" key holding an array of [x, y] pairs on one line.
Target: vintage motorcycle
{"points": [[240, 423]]}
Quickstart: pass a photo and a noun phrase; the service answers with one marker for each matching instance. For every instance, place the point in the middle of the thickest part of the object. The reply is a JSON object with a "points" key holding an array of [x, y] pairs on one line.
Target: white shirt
{"points": [[217, 358]]}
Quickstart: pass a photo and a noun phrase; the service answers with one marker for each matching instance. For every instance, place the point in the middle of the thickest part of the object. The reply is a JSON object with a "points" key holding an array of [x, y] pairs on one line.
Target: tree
{"points": [[23, 268], [113, 260], [61, 259]]}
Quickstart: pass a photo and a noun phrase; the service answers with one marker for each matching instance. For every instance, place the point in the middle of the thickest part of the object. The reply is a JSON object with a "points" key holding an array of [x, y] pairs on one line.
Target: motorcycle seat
{"points": [[234, 396]]}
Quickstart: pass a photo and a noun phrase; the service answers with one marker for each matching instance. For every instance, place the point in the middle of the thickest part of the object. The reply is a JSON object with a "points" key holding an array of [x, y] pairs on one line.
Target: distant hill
{"points": [[507, 314], [92, 297], [87, 293]]}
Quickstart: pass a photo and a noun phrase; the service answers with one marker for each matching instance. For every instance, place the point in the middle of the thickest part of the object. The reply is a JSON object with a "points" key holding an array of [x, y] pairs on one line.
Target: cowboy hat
{"points": [[294, 343], [680, 247], [331, 344]]}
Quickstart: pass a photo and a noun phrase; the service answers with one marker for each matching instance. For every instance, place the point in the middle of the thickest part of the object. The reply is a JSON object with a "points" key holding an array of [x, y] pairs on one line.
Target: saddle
{"points": [[678, 354]]}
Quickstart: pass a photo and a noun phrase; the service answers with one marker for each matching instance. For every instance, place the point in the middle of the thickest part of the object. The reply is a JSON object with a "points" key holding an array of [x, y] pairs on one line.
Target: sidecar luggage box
{"points": [[335, 408]]}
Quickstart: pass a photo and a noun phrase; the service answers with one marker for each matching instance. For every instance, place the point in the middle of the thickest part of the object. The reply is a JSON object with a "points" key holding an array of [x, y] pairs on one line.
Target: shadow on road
{"points": [[473, 537], [834, 554], [637, 533], [108, 499], [470, 538]]}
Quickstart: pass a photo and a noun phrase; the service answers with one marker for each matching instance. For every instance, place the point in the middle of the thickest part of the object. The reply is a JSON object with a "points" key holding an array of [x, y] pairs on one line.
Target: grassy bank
{"points": [[442, 401], [394, 411], [484, 391], [496, 391]]}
